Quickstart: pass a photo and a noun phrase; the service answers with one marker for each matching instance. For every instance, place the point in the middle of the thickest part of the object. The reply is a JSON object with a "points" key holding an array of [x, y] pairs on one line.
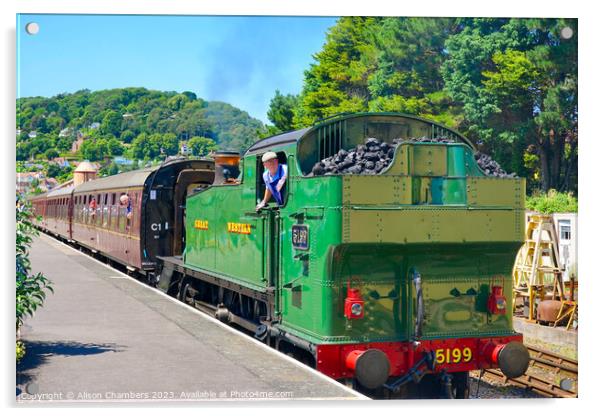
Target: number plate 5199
{"points": [[453, 355]]}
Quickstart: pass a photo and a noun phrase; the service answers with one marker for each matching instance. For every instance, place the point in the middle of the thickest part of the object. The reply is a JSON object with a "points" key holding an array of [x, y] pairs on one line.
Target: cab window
{"points": [[260, 184]]}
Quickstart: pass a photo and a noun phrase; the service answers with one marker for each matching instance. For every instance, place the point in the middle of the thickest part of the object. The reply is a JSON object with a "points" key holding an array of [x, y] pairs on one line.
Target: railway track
{"points": [[549, 374]]}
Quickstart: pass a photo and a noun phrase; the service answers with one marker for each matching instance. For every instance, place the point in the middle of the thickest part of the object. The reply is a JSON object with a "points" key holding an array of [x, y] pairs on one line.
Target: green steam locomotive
{"points": [[397, 282]]}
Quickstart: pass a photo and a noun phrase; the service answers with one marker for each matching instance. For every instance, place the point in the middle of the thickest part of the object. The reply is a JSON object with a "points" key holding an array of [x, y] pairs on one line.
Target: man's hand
{"points": [[260, 205]]}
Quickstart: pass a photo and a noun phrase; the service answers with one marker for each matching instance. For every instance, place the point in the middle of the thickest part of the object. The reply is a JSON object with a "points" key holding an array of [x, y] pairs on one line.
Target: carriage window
{"points": [[105, 211], [98, 210], [132, 222], [114, 217], [122, 219]]}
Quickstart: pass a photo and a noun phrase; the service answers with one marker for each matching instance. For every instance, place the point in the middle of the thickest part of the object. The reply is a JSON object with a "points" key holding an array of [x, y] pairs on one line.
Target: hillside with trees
{"points": [[132, 122], [510, 85]]}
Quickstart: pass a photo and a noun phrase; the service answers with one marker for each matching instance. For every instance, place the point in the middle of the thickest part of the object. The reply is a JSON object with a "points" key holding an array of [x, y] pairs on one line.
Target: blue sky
{"points": [[239, 60]]}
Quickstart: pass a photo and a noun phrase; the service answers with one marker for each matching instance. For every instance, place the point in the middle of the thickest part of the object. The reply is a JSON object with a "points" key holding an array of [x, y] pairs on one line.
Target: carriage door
{"points": [[158, 228]]}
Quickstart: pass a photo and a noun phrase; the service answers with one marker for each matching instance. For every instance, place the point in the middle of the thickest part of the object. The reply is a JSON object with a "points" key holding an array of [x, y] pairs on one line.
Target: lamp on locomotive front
{"points": [[496, 303], [354, 304]]}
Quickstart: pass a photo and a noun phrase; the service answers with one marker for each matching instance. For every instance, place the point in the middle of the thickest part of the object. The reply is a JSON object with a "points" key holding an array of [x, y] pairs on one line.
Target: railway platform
{"points": [[102, 336]]}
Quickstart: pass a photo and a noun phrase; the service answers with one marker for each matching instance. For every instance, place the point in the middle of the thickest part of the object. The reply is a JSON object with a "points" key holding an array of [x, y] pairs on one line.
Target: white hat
{"points": [[268, 156]]}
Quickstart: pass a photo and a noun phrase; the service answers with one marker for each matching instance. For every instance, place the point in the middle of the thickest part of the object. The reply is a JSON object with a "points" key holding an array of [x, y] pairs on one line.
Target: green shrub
{"points": [[551, 202], [20, 350], [30, 288]]}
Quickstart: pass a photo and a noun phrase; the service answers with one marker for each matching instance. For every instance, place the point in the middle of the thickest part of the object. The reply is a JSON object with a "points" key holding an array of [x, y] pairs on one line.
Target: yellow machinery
{"points": [[536, 268], [568, 306]]}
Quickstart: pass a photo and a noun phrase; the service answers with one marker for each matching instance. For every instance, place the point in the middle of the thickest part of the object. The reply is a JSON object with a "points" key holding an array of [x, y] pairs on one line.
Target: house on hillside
{"points": [[61, 161], [26, 180], [66, 132]]}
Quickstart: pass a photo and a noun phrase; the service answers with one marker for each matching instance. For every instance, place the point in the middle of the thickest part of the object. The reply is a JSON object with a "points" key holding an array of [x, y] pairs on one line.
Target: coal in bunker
{"points": [[375, 156]]}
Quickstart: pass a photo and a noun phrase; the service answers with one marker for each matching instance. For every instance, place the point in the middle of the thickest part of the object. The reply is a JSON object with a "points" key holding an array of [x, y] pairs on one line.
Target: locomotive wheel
{"points": [[180, 291], [187, 296]]}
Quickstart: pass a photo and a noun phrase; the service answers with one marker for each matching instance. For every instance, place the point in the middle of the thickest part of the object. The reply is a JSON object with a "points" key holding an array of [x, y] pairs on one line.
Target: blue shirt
{"points": [[272, 181]]}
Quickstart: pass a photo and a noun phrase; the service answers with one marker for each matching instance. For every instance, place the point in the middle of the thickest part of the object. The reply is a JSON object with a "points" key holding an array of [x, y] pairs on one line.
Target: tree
{"points": [[337, 81], [111, 123], [380, 64], [63, 144], [94, 149], [61, 173], [177, 102], [170, 144], [201, 146], [406, 75], [114, 147], [22, 151], [191, 95], [53, 170], [141, 147], [51, 154], [517, 79], [127, 136], [113, 169], [281, 111]]}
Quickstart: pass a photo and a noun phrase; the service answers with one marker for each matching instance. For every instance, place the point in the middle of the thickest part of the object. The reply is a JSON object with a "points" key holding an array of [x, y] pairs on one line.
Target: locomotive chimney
{"points": [[226, 167]]}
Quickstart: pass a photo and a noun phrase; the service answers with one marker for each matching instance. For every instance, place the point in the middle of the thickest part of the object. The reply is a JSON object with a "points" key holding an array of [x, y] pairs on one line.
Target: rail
{"points": [[561, 374]]}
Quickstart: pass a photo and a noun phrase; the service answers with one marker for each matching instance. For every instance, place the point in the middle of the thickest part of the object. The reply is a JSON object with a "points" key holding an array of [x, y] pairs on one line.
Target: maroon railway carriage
{"points": [[39, 204], [54, 209], [149, 224], [103, 224]]}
